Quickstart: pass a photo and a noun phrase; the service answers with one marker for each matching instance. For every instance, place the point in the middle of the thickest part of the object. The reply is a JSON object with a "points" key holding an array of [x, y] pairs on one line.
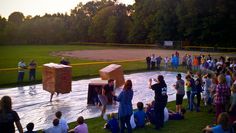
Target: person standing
{"points": [[32, 70], [160, 89], [8, 117], [234, 78], [189, 63], [21, 71], [109, 91], [125, 107], [206, 87], [106, 95], [193, 92], [158, 61], [199, 84], [166, 60], [188, 89], [195, 64], [148, 62], [175, 61], [179, 87], [64, 61], [221, 95], [153, 61]]}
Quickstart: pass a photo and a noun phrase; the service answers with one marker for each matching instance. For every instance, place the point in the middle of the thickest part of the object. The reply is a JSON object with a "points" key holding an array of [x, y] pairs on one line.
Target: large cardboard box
{"points": [[115, 72], [94, 88], [56, 78]]}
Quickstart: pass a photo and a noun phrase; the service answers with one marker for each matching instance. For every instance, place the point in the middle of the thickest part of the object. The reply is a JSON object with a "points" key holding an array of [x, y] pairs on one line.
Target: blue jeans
{"points": [[192, 103], [20, 76], [125, 120], [198, 99], [32, 74], [188, 98]]}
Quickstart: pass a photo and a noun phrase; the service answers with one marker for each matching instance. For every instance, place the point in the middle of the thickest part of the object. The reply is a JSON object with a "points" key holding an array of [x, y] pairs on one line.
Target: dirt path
{"points": [[123, 54]]}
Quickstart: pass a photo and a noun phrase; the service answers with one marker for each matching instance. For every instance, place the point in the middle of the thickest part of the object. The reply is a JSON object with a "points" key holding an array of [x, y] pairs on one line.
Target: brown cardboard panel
{"points": [[115, 72], [95, 88], [56, 78]]}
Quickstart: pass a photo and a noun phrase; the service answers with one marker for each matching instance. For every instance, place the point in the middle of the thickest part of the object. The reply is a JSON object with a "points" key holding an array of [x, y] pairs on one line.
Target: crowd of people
{"points": [[214, 83], [154, 62]]}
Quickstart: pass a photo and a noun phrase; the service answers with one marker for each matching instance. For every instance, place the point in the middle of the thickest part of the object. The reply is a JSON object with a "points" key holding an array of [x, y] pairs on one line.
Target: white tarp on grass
{"points": [[32, 102]]}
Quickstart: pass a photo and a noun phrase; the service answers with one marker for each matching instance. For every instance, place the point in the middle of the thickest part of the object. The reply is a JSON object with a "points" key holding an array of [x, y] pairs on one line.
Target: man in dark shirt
{"points": [[64, 61], [148, 61], [109, 90], [158, 61], [32, 70]]}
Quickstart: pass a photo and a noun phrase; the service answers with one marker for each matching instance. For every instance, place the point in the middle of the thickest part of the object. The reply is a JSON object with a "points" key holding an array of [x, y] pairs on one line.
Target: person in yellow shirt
{"points": [[188, 88]]}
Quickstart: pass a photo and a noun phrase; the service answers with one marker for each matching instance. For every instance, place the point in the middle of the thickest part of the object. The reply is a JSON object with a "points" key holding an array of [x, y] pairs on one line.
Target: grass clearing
{"points": [[41, 54], [194, 122]]}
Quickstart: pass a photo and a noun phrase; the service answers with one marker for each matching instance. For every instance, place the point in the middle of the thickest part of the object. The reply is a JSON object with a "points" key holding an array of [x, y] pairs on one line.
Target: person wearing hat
{"points": [[179, 87]]}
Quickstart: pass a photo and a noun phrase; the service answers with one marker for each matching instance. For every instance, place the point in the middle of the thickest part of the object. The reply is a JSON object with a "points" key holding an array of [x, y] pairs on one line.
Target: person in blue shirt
{"points": [[30, 127], [125, 107], [112, 124], [140, 116], [223, 125], [193, 93]]}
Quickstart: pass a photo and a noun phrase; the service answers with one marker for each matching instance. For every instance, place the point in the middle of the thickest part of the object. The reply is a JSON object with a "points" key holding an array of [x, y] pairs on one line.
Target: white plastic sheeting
{"points": [[32, 102]]}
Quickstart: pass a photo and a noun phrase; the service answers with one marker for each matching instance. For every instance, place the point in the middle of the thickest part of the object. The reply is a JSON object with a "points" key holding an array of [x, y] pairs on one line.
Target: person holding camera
{"points": [[161, 98]]}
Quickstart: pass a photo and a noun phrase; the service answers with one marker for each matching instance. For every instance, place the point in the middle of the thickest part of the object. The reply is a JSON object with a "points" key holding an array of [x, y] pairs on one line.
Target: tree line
{"points": [[209, 22]]}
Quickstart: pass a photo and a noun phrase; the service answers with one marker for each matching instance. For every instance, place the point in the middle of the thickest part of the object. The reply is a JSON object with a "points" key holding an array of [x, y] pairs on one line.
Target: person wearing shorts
{"points": [[179, 86]]}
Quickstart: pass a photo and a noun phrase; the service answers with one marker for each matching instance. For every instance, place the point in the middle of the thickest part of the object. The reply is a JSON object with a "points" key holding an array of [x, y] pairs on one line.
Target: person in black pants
{"points": [[161, 98], [153, 62], [148, 61], [198, 84]]}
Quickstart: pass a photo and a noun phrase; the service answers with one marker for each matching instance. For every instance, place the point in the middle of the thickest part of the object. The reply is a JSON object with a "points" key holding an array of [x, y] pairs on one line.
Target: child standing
{"points": [[188, 89], [166, 60], [206, 88]]}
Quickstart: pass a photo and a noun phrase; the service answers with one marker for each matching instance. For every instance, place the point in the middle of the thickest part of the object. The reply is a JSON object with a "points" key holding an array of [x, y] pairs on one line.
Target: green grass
{"points": [[41, 53], [194, 122]]}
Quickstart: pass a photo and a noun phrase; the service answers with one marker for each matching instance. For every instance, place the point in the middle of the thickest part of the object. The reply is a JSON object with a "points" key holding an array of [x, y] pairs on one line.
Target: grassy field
{"points": [[194, 122], [41, 53]]}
